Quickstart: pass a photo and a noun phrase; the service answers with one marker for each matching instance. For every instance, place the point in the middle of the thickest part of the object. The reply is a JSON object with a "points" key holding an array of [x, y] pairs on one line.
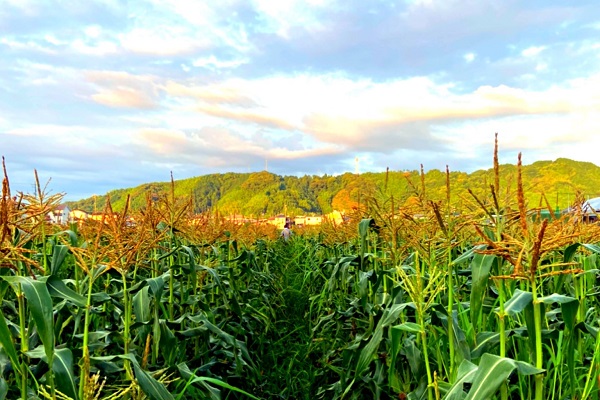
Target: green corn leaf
{"points": [[38, 352], [485, 341], [157, 284], [168, 342], [492, 372], [569, 311], [72, 236], [363, 230], [570, 252], [191, 258], [63, 372], [517, 302], [141, 305], [190, 377], [225, 385], [531, 326], [556, 298], [526, 369], [59, 253], [467, 255], [203, 380], [170, 252], [466, 372], [62, 366], [150, 386], [97, 339], [3, 389], [412, 353], [6, 340], [98, 270], [480, 273], [594, 248], [396, 336], [221, 334], [363, 227], [100, 297], [106, 364], [367, 353], [40, 306], [363, 283], [58, 288], [391, 314], [409, 327], [192, 332]]}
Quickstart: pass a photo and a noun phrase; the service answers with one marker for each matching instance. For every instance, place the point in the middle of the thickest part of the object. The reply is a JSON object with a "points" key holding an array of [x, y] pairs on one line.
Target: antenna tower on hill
{"points": [[356, 171]]}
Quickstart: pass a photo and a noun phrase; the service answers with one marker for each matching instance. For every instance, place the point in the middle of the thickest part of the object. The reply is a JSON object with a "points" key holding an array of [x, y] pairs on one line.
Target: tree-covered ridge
{"points": [[265, 194]]}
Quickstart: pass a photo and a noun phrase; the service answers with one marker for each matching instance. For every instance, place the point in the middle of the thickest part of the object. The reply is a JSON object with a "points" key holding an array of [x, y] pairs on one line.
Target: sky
{"points": [[104, 94]]}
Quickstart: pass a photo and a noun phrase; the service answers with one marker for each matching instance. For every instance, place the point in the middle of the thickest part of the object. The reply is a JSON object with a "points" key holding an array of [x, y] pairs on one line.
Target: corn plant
{"points": [[413, 297]]}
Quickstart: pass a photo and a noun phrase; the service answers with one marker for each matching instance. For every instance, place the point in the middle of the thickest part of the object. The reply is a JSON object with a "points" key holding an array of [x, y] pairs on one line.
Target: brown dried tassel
{"points": [[518, 271], [487, 212], [146, 351], [495, 198], [496, 166], [422, 183], [448, 188], [521, 198], [535, 256], [438, 216], [6, 177], [387, 176], [5, 204]]}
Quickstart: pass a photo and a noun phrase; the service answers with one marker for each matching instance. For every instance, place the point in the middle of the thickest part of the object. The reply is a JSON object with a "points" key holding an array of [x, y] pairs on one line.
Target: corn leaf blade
{"points": [[40, 305], [492, 372], [58, 288], [149, 385], [63, 372]]}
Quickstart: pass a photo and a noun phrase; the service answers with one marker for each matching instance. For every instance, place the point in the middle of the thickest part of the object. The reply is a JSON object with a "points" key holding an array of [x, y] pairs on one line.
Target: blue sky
{"points": [[105, 94]]}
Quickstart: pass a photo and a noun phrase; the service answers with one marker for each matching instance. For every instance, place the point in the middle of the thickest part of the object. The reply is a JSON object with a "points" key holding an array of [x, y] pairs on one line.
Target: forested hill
{"points": [[264, 193]]}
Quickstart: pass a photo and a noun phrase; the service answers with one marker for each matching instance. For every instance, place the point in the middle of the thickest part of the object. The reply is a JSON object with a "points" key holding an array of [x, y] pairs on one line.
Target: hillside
{"points": [[264, 193]]}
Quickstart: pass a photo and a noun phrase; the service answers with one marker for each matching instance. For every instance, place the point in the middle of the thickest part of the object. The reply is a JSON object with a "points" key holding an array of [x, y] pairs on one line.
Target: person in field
{"points": [[286, 232]]}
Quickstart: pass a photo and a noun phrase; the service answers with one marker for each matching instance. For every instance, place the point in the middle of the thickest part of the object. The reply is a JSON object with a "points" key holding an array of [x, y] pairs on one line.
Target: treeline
{"points": [[265, 194]]}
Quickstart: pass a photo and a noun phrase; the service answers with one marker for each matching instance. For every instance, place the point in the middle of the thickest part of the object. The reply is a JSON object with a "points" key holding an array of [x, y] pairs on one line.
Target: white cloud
{"points": [[533, 51], [101, 48], [233, 149], [350, 108], [537, 137], [331, 110], [198, 13], [212, 62], [28, 7], [469, 57], [28, 45], [120, 89], [284, 15], [162, 41], [93, 31], [53, 40]]}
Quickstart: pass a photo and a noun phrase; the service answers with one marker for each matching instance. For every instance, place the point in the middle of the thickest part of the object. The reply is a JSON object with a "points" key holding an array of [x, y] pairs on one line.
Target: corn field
{"points": [[425, 301]]}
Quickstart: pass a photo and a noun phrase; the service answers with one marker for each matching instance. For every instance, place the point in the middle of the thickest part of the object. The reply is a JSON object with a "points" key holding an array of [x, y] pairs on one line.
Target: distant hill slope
{"points": [[264, 193]]}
